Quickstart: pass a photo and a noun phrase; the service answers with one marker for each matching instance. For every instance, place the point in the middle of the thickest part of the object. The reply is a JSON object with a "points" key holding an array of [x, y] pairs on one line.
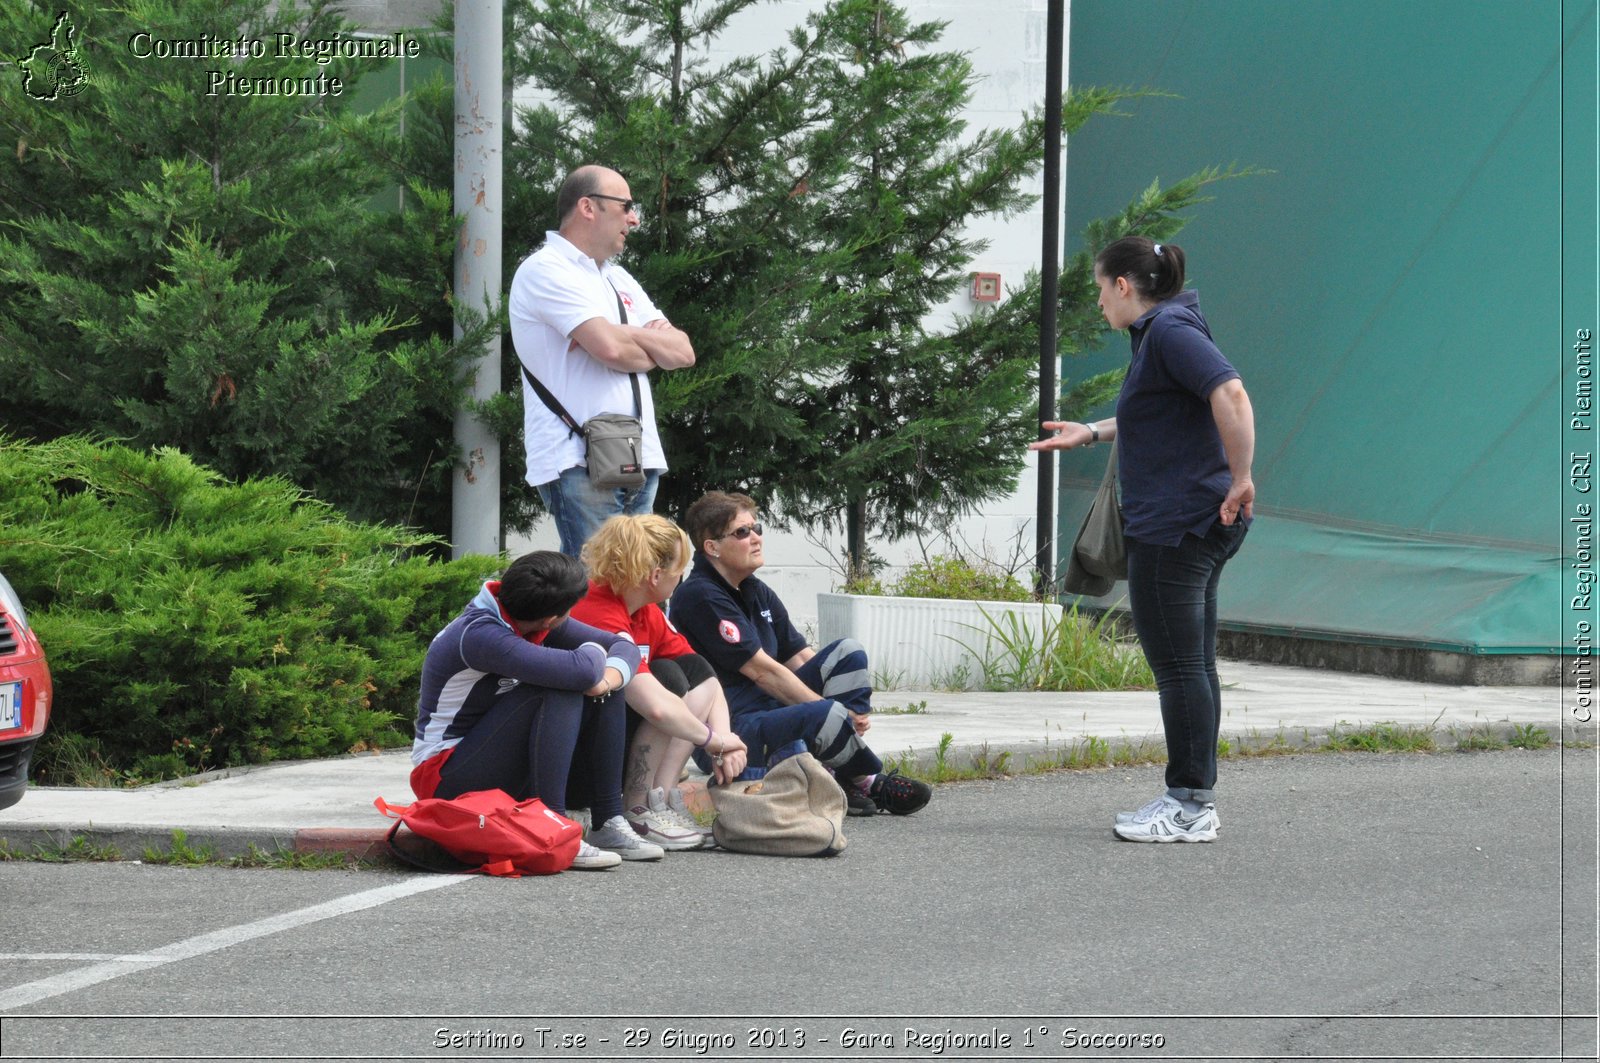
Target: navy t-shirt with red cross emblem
{"points": [[728, 626]]}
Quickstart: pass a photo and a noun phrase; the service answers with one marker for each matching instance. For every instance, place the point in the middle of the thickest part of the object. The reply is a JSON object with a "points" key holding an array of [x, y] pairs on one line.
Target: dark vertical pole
{"points": [[1050, 284]]}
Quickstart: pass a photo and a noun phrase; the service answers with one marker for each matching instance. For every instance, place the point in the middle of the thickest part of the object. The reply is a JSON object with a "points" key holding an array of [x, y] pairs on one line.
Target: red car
{"points": [[25, 694]]}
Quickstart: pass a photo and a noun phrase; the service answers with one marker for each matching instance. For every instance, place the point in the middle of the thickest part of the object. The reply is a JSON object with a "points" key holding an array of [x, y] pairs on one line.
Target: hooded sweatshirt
{"points": [[479, 656]]}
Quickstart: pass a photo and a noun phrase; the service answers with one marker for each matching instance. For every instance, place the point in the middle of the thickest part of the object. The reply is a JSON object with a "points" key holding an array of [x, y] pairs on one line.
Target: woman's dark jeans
{"points": [[1172, 591]]}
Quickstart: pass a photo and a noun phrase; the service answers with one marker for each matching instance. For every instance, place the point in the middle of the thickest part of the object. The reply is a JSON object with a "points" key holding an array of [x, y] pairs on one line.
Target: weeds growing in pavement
{"points": [[1069, 652], [290, 860], [1382, 738], [957, 676], [914, 708], [79, 849], [1092, 751], [181, 853], [884, 679], [1477, 739], [1527, 736], [1254, 745], [84, 849]]}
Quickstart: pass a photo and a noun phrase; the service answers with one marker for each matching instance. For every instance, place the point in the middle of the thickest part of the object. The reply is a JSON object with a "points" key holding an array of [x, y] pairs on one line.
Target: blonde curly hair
{"points": [[626, 549]]}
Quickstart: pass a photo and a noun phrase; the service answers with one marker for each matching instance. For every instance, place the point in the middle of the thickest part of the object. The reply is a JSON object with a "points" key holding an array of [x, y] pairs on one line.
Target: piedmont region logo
{"points": [[55, 69]]}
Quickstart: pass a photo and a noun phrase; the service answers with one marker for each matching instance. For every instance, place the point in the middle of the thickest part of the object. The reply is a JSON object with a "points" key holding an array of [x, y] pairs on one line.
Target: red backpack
{"points": [[488, 831]]}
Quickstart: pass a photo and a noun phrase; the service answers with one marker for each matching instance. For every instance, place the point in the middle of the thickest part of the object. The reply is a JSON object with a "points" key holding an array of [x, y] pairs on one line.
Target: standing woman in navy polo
{"points": [[1186, 438]]}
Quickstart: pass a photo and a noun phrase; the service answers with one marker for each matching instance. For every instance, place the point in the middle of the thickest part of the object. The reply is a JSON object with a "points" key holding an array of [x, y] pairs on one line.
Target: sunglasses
{"points": [[628, 205], [743, 531]]}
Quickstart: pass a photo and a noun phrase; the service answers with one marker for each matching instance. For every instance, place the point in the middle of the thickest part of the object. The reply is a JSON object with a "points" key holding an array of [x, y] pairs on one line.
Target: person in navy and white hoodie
{"points": [[513, 690]]}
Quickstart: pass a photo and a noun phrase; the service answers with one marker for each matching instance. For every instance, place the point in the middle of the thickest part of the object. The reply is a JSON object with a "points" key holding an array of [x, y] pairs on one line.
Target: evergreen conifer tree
{"points": [[208, 271], [806, 210]]}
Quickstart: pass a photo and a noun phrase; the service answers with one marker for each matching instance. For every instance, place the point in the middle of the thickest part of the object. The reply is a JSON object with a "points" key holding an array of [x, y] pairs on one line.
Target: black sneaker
{"points": [[857, 803], [895, 793]]}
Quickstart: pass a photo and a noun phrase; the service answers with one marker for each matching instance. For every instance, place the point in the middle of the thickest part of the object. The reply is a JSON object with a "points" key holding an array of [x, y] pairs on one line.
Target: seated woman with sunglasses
{"points": [[675, 702], [781, 692]]}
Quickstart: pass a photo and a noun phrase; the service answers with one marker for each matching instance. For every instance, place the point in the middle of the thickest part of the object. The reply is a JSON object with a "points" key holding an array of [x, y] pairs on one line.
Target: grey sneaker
{"points": [[591, 859], [618, 835], [676, 802], [1166, 820], [1129, 817]]}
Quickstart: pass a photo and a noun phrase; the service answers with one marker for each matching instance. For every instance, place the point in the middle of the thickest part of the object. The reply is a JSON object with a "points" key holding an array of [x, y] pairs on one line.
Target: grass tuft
{"points": [[1477, 739], [1068, 653], [1527, 736], [1382, 738]]}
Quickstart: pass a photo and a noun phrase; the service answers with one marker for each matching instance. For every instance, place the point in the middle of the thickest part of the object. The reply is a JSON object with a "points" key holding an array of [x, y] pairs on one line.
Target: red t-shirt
{"points": [[650, 628]]}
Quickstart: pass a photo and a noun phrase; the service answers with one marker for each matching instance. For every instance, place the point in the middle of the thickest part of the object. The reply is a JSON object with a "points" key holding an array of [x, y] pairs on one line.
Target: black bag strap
{"points": [[622, 311], [554, 405], [633, 378], [424, 854]]}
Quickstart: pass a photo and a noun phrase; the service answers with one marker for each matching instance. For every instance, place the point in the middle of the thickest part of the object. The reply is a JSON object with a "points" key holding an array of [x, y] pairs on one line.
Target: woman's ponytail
{"points": [[1155, 270]]}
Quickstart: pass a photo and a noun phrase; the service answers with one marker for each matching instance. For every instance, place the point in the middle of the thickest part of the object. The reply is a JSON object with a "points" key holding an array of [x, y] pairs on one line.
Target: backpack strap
{"points": [[633, 378], [423, 854]]}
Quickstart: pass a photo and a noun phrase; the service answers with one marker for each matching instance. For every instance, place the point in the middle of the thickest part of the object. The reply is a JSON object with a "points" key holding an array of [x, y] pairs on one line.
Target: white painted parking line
{"points": [[200, 945], [80, 957]]}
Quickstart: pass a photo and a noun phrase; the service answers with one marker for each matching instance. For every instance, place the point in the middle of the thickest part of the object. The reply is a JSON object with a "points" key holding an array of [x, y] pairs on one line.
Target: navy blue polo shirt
{"points": [[728, 626], [1172, 468]]}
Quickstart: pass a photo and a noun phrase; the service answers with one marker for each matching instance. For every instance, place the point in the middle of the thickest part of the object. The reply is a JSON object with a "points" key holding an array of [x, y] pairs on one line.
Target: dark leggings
{"points": [[529, 743], [681, 674], [1172, 591]]}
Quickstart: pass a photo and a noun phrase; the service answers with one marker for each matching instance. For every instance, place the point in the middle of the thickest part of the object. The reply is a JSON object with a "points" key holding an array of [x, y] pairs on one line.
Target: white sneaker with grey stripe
{"points": [[1153, 806], [1166, 820]]}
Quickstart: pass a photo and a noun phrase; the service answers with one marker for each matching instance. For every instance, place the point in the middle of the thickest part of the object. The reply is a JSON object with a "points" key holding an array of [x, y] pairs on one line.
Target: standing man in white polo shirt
{"points": [[587, 332]]}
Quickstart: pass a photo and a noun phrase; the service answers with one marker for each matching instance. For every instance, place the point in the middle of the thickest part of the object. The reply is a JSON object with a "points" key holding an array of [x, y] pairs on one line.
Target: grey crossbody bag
{"points": [[613, 442]]}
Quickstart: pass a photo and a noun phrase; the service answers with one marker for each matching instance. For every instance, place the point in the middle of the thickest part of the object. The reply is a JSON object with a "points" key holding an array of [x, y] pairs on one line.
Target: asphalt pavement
{"points": [[1372, 907], [328, 804]]}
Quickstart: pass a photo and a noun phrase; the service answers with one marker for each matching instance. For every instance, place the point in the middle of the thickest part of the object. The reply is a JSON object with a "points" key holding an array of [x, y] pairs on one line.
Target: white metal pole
{"points": [[479, 42]]}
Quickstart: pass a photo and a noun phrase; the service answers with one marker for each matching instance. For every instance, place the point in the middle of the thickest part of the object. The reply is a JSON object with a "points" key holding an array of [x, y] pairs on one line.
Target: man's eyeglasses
{"points": [[743, 531], [629, 206]]}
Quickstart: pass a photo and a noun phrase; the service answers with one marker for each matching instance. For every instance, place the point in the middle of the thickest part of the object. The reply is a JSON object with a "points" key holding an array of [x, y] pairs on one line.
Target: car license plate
{"points": [[10, 707]]}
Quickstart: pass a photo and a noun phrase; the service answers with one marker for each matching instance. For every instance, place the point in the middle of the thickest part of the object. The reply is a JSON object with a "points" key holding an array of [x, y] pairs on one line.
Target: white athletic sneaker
{"points": [[655, 821], [1166, 820], [676, 803], [1153, 806], [619, 836], [591, 859]]}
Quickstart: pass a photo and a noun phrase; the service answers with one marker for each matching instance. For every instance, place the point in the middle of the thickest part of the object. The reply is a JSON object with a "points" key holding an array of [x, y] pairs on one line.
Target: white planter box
{"points": [[927, 643]]}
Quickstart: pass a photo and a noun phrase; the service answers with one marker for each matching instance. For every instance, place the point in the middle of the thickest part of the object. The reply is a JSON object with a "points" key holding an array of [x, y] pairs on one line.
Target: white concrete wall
{"points": [[1005, 40]]}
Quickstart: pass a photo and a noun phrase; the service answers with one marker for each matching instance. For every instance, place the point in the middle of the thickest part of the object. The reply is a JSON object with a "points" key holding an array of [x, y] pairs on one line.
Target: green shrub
{"points": [[195, 623], [950, 577]]}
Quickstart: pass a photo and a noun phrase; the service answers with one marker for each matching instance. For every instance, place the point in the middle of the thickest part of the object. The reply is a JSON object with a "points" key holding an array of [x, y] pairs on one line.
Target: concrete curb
{"points": [[131, 842], [1021, 756], [123, 842], [367, 845]]}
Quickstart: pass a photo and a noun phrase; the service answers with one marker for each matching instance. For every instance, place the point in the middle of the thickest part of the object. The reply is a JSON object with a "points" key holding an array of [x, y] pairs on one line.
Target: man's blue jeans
{"points": [[1172, 591], [578, 508]]}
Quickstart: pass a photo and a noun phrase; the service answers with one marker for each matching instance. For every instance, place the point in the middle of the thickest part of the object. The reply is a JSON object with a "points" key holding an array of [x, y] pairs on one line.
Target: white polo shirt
{"points": [[556, 289]]}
